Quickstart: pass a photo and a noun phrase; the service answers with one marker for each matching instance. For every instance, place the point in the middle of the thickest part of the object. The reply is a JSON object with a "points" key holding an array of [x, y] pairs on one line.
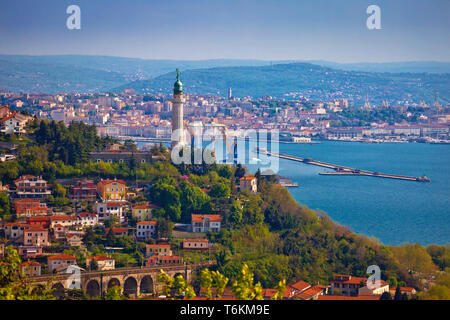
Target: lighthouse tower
{"points": [[177, 113]]}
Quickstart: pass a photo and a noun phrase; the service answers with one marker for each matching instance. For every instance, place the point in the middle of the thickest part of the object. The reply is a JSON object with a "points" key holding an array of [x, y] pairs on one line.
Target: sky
{"points": [[333, 30]]}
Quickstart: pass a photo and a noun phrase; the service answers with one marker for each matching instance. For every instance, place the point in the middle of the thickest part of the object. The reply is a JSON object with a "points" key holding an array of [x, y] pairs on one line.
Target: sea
{"points": [[393, 211]]}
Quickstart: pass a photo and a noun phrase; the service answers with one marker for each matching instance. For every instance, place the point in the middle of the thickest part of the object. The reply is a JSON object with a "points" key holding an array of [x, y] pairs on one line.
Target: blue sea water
{"points": [[394, 211]]}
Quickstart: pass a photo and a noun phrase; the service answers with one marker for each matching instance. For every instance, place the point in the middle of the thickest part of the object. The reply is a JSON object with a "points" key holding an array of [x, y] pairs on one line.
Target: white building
{"points": [[87, 219], [105, 210], [206, 222], [146, 230]]}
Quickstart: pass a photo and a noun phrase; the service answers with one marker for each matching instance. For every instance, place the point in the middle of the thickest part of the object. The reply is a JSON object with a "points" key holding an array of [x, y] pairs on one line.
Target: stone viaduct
{"points": [[133, 281]]}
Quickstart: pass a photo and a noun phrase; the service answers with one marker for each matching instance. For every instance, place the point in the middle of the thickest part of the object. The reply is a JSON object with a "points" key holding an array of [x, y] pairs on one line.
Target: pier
{"points": [[341, 170]]}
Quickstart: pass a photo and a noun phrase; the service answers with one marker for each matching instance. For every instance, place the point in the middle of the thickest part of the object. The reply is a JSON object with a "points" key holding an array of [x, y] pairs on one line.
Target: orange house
{"points": [[30, 268], [112, 189], [30, 208]]}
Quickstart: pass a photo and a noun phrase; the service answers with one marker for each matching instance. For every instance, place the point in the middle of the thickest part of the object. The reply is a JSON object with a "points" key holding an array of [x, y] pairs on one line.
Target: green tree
{"points": [[220, 190], [5, 206], [280, 287], [386, 296], [113, 293], [206, 282], [93, 265], [398, 294], [168, 281], [219, 283], [243, 287], [110, 237], [15, 286], [192, 199], [236, 211]]}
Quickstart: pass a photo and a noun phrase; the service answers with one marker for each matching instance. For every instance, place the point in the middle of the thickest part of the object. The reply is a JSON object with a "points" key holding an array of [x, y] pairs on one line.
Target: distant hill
{"points": [[78, 73], [319, 80], [315, 82], [393, 67]]}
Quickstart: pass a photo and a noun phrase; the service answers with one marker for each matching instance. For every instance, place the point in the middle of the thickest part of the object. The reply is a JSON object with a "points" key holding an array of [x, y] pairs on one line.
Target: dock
{"points": [[341, 170]]}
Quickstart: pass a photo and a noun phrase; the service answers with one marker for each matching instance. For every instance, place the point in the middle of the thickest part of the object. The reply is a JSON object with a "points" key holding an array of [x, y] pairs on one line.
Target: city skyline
{"points": [[203, 30]]}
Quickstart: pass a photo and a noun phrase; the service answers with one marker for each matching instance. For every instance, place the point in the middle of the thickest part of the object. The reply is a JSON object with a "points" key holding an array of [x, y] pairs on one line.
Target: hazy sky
{"points": [[332, 30]]}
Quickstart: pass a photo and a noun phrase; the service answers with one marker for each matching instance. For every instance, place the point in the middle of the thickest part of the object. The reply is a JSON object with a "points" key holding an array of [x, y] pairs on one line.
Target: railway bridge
{"points": [[133, 281]]}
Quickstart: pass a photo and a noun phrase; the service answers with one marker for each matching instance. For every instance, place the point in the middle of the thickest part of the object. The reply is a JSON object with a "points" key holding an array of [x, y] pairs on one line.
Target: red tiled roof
{"points": [[300, 285], [87, 214], [38, 219], [158, 245], [35, 228], [27, 200], [196, 240], [362, 297], [30, 263], [313, 290], [62, 257], [61, 218], [247, 178], [117, 230], [147, 222], [100, 258], [148, 206], [201, 217], [114, 204], [350, 279], [110, 181]]}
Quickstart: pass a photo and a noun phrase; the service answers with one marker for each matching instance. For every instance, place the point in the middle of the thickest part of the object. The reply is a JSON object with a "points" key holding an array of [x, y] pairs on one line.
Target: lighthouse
{"points": [[177, 113]]}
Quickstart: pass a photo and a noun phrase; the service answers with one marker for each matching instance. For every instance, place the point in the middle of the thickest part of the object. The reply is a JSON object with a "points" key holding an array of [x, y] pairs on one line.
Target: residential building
{"points": [[248, 183], [29, 187], [30, 208], [66, 221], [158, 249], [59, 231], [144, 212], [410, 292], [146, 230], [103, 263], [87, 219], [84, 190], [195, 244], [163, 260], [39, 221], [105, 210], [59, 261], [13, 123], [118, 232], [378, 290], [14, 230], [347, 285], [294, 289], [74, 240], [112, 190], [35, 236], [30, 252], [206, 222], [30, 268]]}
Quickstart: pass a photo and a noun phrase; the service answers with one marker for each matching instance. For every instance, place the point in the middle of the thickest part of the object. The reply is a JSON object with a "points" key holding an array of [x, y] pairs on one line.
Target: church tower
{"points": [[177, 112]]}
